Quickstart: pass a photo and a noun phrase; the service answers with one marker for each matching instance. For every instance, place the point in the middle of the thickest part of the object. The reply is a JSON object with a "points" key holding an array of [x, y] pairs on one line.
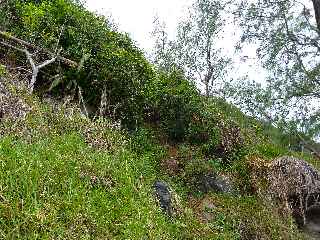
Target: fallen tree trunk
{"points": [[35, 68], [66, 61]]}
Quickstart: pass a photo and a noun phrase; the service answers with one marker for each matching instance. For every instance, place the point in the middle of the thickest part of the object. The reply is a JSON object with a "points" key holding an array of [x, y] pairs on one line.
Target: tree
{"points": [[287, 34], [194, 50], [162, 55]]}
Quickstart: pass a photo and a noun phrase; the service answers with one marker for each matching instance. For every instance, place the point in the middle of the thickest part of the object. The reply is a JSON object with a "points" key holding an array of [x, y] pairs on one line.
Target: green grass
{"points": [[60, 188], [55, 185], [253, 218], [48, 189]]}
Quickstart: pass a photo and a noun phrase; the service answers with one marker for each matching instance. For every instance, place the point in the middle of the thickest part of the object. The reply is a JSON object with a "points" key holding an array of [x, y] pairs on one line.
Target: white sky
{"points": [[136, 17]]}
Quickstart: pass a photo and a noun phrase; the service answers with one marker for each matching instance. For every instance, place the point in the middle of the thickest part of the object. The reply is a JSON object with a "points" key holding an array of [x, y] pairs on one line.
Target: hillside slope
{"points": [[110, 147], [64, 176]]}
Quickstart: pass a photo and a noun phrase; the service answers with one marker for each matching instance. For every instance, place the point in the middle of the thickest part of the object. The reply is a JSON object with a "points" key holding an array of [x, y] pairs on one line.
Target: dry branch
{"points": [[23, 47], [66, 61], [35, 68]]}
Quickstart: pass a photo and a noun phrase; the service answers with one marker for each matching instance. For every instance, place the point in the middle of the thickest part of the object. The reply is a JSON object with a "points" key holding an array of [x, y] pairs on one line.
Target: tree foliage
{"points": [[174, 100], [194, 50], [287, 37]]}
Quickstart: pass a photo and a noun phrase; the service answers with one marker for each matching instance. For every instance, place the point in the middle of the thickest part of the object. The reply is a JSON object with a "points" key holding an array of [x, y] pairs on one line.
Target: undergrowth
{"points": [[57, 183], [64, 176]]}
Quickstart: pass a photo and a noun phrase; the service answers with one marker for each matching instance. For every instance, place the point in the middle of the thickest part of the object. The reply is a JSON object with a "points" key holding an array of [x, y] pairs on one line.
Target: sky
{"points": [[136, 17]]}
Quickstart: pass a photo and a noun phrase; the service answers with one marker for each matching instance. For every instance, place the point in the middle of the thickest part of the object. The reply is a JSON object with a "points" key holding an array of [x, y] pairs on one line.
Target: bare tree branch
{"points": [[35, 68], [66, 61]]}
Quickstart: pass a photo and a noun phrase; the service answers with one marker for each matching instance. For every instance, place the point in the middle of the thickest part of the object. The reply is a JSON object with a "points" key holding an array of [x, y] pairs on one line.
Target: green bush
{"points": [[143, 140], [112, 65], [184, 115], [217, 134], [175, 100]]}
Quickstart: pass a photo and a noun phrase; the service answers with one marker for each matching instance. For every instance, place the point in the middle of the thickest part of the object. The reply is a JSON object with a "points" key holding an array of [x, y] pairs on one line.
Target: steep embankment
{"points": [[149, 142], [65, 176]]}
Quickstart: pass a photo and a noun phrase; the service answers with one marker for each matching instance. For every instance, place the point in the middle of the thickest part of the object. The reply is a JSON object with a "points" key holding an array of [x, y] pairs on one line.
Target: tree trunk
{"points": [[207, 89], [316, 7], [206, 82], [207, 79]]}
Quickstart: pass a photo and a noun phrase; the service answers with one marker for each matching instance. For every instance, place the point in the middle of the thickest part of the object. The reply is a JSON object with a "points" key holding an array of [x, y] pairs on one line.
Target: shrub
{"points": [[175, 100], [114, 70]]}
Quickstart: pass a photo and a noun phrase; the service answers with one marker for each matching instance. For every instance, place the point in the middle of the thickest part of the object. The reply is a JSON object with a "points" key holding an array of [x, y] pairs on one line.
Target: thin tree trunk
{"points": [[207, 88], [316, 7], [207, 81]]}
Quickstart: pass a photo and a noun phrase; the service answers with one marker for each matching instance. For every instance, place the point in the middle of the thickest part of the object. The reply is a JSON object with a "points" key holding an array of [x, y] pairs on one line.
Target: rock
{"points": [[164, 196], [213, 183], [312, 224], [296, 184]]}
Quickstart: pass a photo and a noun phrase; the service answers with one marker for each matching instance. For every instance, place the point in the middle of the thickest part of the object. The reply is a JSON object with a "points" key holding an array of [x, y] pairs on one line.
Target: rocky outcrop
{"points": [[164, 196], [296, 184], [212, 182]]}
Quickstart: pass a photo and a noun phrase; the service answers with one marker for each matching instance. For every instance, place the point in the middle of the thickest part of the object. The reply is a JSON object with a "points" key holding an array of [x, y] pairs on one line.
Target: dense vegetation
{"points": [[112, 66], [67, 176]]}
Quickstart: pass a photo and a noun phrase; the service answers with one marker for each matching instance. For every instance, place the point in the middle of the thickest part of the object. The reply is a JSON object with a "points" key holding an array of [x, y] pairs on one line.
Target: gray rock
{"points": [[164, 196], [296, 184], [213, 183], [312, 224]]}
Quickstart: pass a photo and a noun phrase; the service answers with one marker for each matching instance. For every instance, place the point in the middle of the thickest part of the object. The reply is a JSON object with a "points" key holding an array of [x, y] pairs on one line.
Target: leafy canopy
{"points": [[287, 37]]}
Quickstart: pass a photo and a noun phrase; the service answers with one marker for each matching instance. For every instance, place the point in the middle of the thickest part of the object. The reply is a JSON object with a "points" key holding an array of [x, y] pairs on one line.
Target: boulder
{"points": [[164, 196], [296, 184], [212, 182]]}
